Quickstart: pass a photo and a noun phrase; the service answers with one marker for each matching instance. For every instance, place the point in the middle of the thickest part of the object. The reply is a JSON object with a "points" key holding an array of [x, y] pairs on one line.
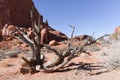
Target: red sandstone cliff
{"points": [[17, 12]]}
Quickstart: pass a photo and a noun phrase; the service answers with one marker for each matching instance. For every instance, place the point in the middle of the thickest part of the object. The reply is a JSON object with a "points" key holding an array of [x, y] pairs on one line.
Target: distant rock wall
{"points": [[16, 12]]}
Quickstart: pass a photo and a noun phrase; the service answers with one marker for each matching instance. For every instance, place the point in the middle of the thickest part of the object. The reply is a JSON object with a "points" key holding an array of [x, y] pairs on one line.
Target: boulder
{"points": [[56, 35], [53, 43], [7, 31], [24, 45], [82, 37], [117, 29], [116, 34]]}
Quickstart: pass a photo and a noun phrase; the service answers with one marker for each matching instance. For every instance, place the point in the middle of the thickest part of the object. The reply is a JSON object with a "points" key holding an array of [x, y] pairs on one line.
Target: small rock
{"points": [[24, 45], [53, 43]]}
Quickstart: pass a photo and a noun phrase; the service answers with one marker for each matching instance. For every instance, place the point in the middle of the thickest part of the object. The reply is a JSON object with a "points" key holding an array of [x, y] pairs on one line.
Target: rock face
{"points": [[53, 43], [116, 34], [1, 35], [16, 12], [82, 37], [117, 29]]}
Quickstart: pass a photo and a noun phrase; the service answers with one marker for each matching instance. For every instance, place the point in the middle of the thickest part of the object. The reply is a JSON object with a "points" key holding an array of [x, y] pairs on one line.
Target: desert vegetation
{"points": [[61, 58], [41, 52]]}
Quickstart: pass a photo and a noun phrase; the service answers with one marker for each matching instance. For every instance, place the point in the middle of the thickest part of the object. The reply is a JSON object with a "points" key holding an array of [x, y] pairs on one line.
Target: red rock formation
{"points": [[53, 43], [117, 29], [16, 12], [82, 37], [8, 29], [1, 35], [56, 35]]}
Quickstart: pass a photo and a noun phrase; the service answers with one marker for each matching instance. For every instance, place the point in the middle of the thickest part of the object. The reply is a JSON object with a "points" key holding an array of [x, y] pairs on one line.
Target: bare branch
{"points": [[52, 49], [27, 61], [102, 36], [59, 61], [72, 31], [23, 35], [67, 52]]}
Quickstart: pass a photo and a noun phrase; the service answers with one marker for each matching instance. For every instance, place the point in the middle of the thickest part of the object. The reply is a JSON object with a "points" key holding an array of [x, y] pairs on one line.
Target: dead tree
{"points": [[37, 60], [34, 43]]}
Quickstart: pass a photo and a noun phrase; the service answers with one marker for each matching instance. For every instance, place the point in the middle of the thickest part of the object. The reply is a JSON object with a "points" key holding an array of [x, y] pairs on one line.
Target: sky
{"points": [[89, 17]]}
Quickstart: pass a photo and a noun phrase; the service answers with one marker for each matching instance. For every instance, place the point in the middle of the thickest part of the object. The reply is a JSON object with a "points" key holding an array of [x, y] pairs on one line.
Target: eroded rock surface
{"points": [[17, 13]]}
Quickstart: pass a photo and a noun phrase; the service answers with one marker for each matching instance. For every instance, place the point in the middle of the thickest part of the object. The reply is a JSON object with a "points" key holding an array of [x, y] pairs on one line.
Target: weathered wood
{"points": [[60, 59]]}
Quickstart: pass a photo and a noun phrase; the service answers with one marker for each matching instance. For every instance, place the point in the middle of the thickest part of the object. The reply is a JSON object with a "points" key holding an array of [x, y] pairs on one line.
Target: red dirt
{"points": [[10, 70]]}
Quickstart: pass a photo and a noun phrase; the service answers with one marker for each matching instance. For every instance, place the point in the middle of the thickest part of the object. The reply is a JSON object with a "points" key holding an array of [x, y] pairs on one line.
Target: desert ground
{"points": [[103, 63], [20, 20]]}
